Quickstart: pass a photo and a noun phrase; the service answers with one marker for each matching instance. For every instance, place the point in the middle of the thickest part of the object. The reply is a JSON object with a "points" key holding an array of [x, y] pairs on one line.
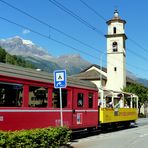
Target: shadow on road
{"points": [[85, 134], [76, 136]]}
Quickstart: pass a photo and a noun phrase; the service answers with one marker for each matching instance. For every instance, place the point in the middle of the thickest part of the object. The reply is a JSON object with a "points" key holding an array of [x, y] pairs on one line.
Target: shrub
{"points": [[45, 138]]}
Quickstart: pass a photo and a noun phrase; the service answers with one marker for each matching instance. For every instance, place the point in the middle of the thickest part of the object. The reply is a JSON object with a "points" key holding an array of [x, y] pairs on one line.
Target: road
{"points": [[128, 138]]}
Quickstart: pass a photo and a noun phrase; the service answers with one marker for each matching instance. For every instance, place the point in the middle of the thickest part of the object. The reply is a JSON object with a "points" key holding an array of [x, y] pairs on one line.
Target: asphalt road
{"points": [[136, 137]]}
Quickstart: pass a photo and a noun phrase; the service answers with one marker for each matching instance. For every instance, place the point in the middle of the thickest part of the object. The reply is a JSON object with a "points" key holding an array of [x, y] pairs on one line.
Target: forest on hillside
{"points": [[14, 60]]}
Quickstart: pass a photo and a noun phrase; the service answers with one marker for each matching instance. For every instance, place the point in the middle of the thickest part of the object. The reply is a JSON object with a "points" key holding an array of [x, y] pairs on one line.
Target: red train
{"points": [[28, 100]]}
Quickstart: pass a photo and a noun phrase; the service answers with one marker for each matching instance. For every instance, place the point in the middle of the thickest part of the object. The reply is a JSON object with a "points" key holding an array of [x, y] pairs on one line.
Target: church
{"points": [[113, 78]]}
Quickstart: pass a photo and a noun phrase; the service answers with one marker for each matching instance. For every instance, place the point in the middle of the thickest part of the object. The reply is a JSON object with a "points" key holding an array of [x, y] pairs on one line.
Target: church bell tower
{"points": [[116, 53]]}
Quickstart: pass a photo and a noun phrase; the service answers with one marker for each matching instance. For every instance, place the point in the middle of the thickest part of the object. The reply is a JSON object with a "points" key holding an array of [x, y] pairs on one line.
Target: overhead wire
{"points": [[46, 24], [52, 28], [137, 55], [45, 36], [77, 17], [104, 19], [129, 38]]}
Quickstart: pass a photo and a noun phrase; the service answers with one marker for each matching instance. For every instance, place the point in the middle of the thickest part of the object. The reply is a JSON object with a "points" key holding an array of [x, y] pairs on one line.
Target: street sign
{"points": [[60, 82], [60, 79]]}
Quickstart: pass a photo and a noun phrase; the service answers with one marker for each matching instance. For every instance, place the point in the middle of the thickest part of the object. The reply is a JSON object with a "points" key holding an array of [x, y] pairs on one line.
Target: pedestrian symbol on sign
{"points": [[59, 76]]}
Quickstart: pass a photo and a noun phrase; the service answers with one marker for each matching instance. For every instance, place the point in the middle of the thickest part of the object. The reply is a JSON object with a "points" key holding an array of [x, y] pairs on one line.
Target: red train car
{"points": [[29, 100]]}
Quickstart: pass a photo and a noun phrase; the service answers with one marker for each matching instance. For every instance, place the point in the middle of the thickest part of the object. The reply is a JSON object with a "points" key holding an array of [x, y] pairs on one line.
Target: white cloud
{"points": [[26, 31]]}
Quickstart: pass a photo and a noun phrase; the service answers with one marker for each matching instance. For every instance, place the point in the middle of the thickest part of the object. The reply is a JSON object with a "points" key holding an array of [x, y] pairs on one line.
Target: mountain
{"points": [[142, 81], [29, 51], [19, 46], [42, 64], [38, 56], [73, 63], [131, 75], [137, 79]]}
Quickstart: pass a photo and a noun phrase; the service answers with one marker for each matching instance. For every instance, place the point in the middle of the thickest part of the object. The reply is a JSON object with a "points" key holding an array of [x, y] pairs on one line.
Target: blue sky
{"points": [[134, 12]]}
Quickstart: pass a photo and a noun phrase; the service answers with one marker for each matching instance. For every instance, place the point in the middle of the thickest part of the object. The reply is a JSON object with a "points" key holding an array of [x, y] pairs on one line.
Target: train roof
{"points": [[33, 74]]}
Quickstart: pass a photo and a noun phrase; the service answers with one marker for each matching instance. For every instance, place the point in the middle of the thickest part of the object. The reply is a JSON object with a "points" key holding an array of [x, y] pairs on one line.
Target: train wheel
{"points": [[114, 126], [127, 124], [104, 127], [91, 129]]}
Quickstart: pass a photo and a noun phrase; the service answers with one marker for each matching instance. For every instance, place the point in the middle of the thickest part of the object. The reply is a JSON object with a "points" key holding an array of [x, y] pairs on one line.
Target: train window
{"points": [[80, 99], [11, 94], [56, 98], [38, 96], [90, 100]]}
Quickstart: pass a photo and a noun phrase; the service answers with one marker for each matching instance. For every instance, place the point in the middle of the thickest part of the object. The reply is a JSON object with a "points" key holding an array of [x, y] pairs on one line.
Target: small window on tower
{"points": [[114, 30], [115, 68], [115, 47]]}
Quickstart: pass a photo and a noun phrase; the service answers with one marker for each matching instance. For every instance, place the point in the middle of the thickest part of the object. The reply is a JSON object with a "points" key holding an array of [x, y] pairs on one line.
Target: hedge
{"points": [[35, 138]]}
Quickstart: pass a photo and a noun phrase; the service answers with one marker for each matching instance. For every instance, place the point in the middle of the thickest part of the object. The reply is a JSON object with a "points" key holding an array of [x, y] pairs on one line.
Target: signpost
{"points": [[60, 82]]}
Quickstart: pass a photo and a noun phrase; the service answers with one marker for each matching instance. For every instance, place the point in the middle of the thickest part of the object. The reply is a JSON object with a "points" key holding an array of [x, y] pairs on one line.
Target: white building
{"points": [[114, 76], [111, 80], [116, 53]]}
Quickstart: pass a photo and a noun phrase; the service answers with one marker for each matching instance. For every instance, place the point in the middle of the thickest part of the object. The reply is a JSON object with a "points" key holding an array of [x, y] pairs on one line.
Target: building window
{"points": [[115, 68], [115, 47], [114, 30], [80, 99]]}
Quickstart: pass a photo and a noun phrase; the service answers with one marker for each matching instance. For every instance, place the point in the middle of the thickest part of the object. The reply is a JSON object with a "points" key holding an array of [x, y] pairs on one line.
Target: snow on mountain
{"points": [[39, 56], [19, 46], [28, 42]]}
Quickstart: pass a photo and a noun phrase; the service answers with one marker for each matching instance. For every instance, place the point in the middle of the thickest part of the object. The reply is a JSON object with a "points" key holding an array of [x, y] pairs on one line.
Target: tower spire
{"points": [[116, 14]]}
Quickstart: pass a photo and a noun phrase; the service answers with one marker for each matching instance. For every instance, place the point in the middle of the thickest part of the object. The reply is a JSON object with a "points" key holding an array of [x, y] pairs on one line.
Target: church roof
{"points": [[93, 74], [97, 66], [90, 75]]}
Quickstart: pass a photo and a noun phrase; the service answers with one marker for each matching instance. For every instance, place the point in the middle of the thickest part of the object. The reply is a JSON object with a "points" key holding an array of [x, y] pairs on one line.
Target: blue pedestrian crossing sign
{"points": [[60, 79]]}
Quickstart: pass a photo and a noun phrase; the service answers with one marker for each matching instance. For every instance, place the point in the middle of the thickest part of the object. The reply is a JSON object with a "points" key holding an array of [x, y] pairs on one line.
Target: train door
{"points": [[79, 108]]}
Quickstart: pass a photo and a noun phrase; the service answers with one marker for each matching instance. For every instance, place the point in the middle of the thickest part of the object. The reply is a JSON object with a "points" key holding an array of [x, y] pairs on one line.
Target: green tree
{"points": [[14, 60], [2, 55], [140, 91], [30, 65], [10, 59]]}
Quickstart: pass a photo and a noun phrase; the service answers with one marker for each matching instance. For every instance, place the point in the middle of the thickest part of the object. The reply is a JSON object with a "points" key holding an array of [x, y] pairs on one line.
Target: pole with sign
{"points": [[60, 82]]}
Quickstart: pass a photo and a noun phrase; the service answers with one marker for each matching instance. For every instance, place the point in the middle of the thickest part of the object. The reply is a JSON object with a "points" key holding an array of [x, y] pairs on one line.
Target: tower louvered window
{"points": [[115, 47]]}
